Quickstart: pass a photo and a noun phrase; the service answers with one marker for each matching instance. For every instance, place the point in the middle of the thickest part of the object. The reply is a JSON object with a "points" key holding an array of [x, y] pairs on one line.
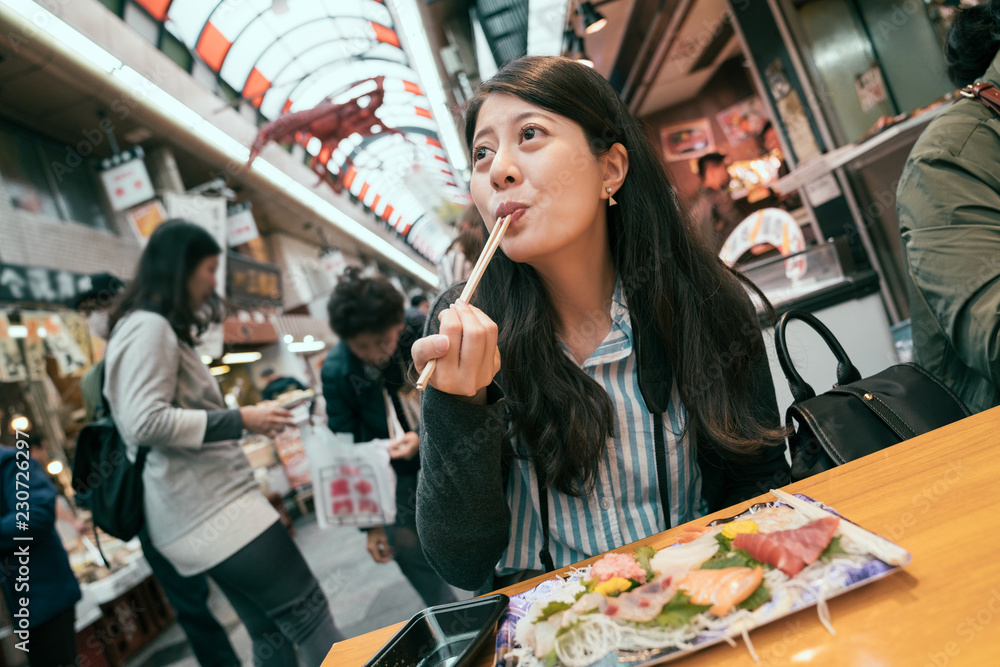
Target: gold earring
{"points": [[611, 200]]}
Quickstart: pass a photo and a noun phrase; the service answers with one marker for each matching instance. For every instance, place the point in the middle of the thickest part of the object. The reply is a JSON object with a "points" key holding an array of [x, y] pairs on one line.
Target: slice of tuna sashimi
{"points": [[790, 550]]}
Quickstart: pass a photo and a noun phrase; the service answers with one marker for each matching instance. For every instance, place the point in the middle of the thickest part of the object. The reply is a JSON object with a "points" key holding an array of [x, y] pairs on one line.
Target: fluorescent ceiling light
{"points": [[426, 66], [47, 21], [348, 225], [315, 346], [17, 331], [179, 112], [182, 113], [219, 370], [241, 357], [205, 359]]}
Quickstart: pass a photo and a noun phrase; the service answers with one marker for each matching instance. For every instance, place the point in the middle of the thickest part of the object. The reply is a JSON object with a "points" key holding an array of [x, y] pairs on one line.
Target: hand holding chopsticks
{"points": [[470, 286]]}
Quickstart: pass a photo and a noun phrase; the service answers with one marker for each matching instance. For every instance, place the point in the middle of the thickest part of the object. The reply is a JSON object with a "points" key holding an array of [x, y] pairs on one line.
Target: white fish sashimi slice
{"points": [[680, 558]]}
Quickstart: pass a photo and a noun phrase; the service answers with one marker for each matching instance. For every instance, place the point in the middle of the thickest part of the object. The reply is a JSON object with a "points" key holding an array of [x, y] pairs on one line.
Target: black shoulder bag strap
{"points": [[661, 466], [543, 508]]}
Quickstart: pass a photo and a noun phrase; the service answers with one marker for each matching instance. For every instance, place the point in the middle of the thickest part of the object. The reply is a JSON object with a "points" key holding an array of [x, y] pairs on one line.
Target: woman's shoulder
{"points": [[143, 323]]}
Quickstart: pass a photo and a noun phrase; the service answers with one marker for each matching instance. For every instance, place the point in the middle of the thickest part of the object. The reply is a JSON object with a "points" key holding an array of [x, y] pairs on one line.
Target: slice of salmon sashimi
{"points": [[790, 550], [723, 589], [692, 533]]}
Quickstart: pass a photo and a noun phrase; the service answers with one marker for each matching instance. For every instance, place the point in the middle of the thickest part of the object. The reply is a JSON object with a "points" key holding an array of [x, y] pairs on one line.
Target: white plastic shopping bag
{"points": [[353, 484]]}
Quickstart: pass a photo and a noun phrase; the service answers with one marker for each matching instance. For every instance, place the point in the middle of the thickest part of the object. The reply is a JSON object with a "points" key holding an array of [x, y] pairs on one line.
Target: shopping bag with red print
{"points": [[353, 484]]}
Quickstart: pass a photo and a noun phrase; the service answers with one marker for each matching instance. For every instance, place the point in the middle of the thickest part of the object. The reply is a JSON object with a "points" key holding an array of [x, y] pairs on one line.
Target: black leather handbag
{"points": [[858, 416]]}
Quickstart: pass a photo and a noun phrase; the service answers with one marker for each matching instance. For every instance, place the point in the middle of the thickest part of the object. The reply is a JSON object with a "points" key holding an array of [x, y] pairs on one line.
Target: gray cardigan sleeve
{"points": [[462, 514], [142, 364]]}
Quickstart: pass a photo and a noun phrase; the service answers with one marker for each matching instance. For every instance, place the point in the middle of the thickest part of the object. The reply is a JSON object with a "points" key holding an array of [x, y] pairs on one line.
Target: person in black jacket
{"points": [[611, 380], [362, 377], [40, 588]]}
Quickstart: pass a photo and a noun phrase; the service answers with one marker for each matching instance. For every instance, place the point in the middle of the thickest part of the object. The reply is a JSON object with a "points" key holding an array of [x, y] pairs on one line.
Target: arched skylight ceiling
{"points": [[289, 55]]}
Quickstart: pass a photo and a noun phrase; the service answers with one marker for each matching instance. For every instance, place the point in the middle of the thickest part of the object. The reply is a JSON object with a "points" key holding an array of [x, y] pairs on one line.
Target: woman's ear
{"points": [[615, 166]]}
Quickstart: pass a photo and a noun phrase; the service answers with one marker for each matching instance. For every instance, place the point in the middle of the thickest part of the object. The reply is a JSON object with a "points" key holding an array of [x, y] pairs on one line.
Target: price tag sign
{"points": [[242, 228], [126, 180], [871, 89]]}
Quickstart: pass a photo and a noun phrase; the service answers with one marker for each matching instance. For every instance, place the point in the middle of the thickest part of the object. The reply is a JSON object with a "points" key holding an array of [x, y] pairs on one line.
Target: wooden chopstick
{"points": [[470, 285]]}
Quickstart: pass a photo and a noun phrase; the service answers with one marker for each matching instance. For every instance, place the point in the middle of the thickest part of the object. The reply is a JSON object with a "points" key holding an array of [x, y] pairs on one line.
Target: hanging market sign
{"points": [[252, 284], [241, 226], [36, 284], [12, 368], [126, 180]]}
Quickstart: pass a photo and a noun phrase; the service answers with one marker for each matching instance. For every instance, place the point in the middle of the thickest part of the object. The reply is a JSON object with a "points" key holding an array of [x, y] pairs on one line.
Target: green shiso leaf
{"points": [[757, 598], [679, 611], [642, 555], [551, 609], [833, 549]]}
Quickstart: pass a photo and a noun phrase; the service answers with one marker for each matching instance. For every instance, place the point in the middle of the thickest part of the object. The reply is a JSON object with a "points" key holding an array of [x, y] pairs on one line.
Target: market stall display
{"points": [[288, 445], [123, 607]]}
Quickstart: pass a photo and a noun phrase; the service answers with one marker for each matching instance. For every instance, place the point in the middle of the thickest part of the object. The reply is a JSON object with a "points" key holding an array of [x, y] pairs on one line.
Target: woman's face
{"points": [[201, 285], [538, 166], [376, 348]]}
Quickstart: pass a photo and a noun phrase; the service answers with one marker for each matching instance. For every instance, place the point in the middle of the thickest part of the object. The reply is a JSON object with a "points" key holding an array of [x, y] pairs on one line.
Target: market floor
{"points": [[363, 595]]}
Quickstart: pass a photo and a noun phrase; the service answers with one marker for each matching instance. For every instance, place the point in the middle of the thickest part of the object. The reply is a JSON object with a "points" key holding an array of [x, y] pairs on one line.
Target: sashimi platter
{"points": [[714, 584]]}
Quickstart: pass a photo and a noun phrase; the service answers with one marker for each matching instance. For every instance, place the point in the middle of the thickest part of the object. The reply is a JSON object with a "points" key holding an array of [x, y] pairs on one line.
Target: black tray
{"points": [[448, 635]]}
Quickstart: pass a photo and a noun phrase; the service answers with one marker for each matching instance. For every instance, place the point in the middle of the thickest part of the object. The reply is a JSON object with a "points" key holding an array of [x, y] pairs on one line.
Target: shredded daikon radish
{"points": [[824, 615], [595, 636], [749, 644]]}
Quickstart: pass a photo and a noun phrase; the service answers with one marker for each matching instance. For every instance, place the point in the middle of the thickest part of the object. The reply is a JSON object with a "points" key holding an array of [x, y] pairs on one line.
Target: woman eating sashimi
{"points": [[611, 380]]}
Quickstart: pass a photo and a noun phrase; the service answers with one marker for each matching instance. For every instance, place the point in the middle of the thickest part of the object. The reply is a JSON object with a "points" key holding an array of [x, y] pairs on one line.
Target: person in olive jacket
{"points": [[949, 214]]}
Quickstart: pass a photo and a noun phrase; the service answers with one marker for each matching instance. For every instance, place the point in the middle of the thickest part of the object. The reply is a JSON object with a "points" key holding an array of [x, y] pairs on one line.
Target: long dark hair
{"points": [[702, 313], [173, 253], [973, 42]]}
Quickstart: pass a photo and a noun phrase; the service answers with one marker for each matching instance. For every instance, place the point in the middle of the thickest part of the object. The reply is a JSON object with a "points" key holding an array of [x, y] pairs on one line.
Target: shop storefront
{"points": [[812, 107]]}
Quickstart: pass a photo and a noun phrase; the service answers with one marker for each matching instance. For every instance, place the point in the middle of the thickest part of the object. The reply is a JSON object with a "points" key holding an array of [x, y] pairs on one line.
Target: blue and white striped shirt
{"points": [[625, 504]]}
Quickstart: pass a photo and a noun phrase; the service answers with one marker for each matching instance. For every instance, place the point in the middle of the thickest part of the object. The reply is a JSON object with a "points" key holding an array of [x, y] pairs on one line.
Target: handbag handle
{"points": [[801, 390]]}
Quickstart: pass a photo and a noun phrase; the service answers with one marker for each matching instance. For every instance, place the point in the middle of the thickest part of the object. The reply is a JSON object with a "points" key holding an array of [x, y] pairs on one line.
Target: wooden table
{"points": [[938, 496]]}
